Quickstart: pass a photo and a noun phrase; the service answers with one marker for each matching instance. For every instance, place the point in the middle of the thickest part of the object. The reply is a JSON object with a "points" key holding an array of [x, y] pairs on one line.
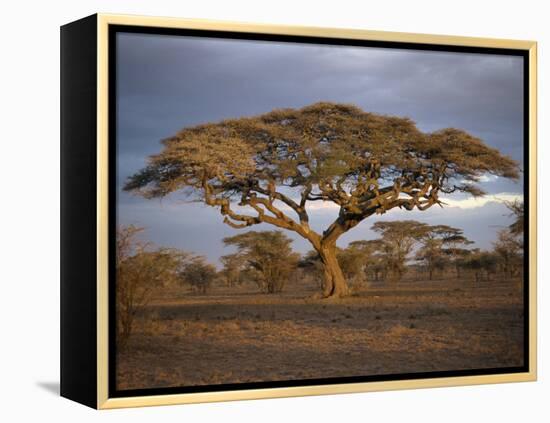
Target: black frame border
{"points": [[78, 211]]}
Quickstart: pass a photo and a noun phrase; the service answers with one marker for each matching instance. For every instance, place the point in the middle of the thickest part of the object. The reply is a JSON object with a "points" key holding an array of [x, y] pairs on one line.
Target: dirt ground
{"points": [[235, 335]]}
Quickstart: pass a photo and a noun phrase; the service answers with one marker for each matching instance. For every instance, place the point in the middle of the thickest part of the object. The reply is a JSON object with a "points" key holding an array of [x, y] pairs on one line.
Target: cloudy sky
{"points": [[165, 83]]}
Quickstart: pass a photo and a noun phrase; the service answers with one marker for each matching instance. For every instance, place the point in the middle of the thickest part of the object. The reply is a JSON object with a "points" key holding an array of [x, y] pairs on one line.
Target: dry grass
{"points": [[232, 336]]}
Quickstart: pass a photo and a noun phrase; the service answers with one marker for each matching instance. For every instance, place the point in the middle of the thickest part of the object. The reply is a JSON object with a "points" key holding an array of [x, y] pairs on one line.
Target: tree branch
{"points": [[355, 210], [279, 219], [300, 209]]}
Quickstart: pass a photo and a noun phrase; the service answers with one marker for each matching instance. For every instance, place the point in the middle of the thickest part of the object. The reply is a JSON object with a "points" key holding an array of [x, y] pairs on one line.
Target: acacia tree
{"points": [[199, 274], [268, 257], [439, 243], [140, 269], [233, 267], [518, 212], [352, 262], [374, 257], [398, 238], [431, 255], [509, 245], [458, 257], [273, 165], [364, 258], [509, 248], [311, 267], [482, 262]]}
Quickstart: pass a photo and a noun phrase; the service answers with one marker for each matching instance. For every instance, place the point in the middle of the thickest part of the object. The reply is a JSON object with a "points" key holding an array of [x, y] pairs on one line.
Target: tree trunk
{"points": [[335, 283]]}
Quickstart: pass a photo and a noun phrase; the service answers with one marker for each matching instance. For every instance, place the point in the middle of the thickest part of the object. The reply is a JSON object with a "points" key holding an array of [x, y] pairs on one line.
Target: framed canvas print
{"points": [[253, 211]]}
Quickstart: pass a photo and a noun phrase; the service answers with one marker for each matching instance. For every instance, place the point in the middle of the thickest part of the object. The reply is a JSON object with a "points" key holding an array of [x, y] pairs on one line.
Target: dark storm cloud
{"points": [[167, 82]]}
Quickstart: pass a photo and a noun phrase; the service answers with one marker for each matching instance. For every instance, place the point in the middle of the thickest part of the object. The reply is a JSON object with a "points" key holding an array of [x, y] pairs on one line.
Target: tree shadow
{"points": [[51, 387]]}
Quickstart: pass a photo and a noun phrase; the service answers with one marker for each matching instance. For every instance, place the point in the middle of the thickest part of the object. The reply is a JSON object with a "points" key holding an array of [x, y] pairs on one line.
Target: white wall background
{"points": [[29, 206]]}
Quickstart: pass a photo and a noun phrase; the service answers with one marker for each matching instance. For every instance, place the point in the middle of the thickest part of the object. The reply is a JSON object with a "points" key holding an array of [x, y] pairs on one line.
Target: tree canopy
{"points": [[518, 212], [199, 274], [397, 239], [363, 162], [438, 244], [267, 257]]}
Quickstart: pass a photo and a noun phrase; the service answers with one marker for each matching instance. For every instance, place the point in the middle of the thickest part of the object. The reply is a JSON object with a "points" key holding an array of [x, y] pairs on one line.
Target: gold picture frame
{"points": [[72, 372]]}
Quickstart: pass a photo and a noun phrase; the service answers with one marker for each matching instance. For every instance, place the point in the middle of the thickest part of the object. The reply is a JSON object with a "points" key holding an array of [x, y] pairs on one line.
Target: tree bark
{"points": [[335, 282]]}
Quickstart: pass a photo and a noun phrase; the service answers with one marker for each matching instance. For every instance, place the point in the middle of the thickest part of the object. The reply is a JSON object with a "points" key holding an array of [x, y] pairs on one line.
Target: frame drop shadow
{"points": [[50, 387]]}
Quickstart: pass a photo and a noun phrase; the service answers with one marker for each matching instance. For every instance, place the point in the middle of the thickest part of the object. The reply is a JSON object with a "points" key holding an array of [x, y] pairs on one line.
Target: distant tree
{"points": [[439, 246], [233, 268], [311, 266], [517, 209], [509, 248], [139, 271], [483, 263], [281, 161], [459, 258], [352, 261], [398, 238], [367, 258], [268, 257], [375, 267], [432, 255], [199, 274], [309, 259]]}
